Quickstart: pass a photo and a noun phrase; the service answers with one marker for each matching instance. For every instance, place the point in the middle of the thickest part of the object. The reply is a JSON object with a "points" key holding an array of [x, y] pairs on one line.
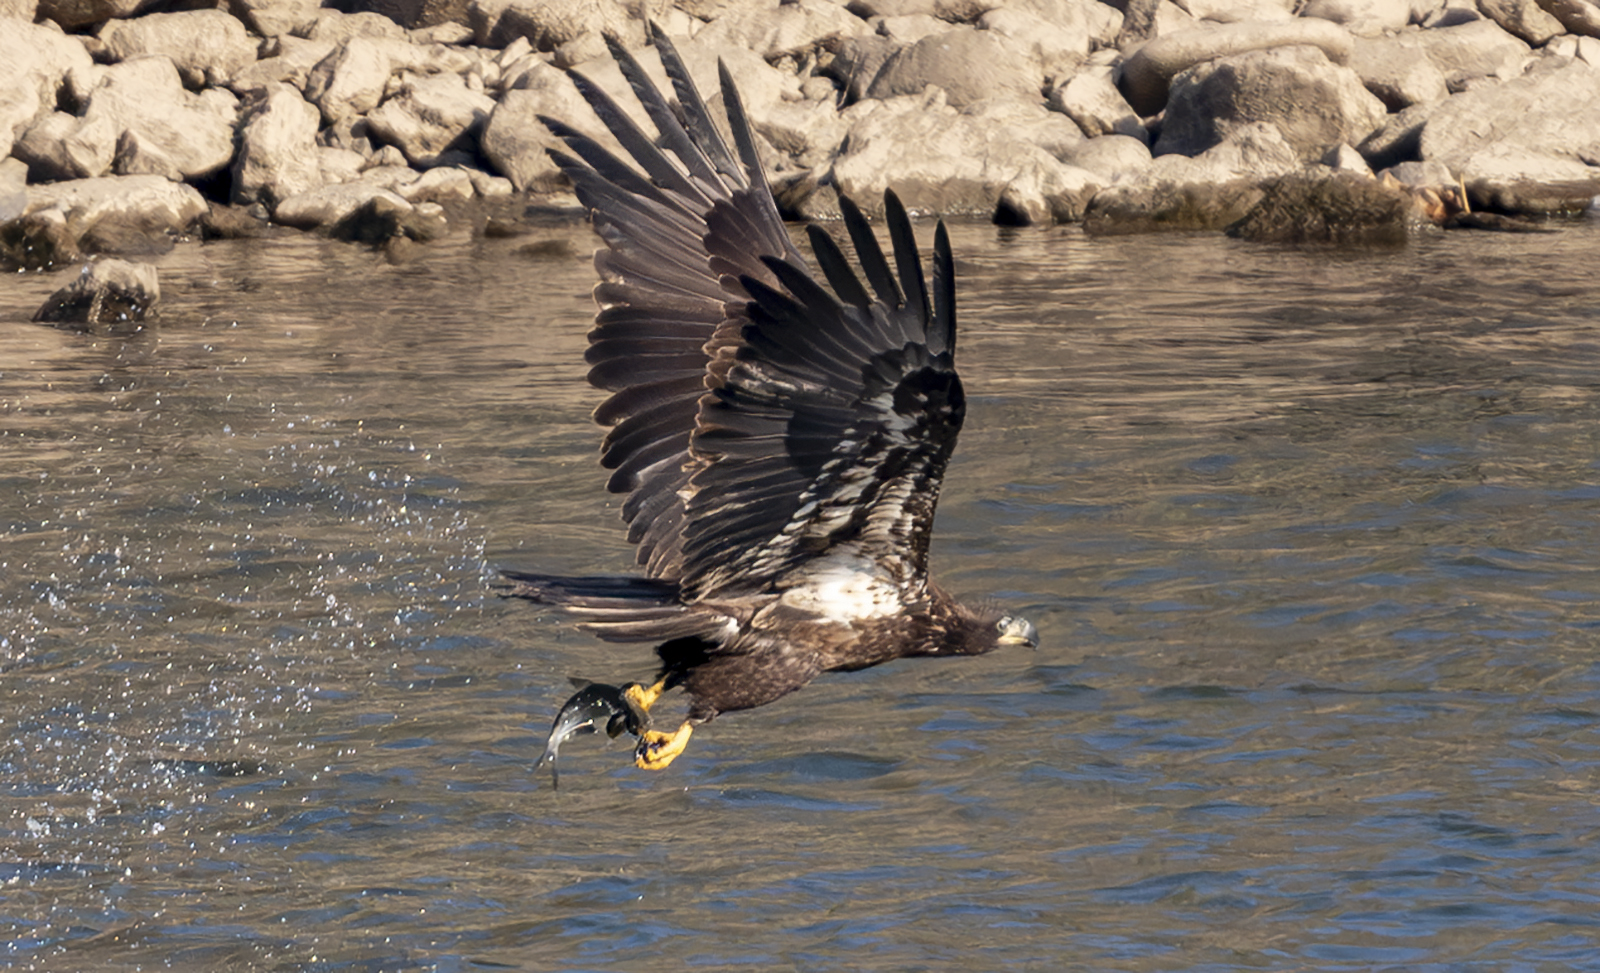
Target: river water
{"points": [[1311, 536]]}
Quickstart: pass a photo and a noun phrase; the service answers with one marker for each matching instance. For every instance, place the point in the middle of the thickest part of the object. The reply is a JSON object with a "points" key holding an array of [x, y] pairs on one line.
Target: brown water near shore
{"points": [[1312, 538]]}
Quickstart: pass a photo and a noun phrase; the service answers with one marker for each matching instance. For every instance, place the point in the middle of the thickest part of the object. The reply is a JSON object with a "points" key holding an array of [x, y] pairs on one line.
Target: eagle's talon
{"points": [[657, 749]]}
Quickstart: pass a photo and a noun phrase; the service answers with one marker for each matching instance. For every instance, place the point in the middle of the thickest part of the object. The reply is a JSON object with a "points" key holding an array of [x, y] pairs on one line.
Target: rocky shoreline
{"points": [[126, 124]]}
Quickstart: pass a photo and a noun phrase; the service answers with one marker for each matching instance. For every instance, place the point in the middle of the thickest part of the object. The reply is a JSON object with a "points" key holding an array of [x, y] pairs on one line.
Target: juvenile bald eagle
{"points": [[780, 446]]}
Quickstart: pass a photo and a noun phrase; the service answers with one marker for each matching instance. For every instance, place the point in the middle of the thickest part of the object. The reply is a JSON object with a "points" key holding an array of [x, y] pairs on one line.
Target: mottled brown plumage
{"points": [[780, 443]]}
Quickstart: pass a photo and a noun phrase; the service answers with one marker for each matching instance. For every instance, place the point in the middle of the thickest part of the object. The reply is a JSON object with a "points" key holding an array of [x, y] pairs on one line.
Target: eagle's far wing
{"points": [[758, 419]]}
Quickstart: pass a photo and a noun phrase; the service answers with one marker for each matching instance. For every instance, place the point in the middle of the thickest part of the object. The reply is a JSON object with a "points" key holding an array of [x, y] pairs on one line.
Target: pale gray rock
{"points": [[445, 184], [549, 24], [1477, 49], [1522, 18], [21, 9], [1398, 139], [92, 212], [1367, 18], [1091, 99], [206, 46], [13, 189], [35, 64], [431, 117], [970, 65], [113, 294], [1554, 111], [1421, 174], [351, 80], [1042, 194], [936, 158], [144, 96], [1149, 70], [1027, 121], [274, 18], [486, 185], [1238, 11], [139, 155], [1101, 21], [327, 206], [277, 147], [49, 156], [331, 25], [1569, 45], [1514, 179], [1059, 47], [515, 141], [1112, 157], [447, 32], [773, 29], [857, 62], [1344, 158], [1396, 71], [910, 28], [1254, 151], [1314, 103], [289, 60], [1577, 16]]}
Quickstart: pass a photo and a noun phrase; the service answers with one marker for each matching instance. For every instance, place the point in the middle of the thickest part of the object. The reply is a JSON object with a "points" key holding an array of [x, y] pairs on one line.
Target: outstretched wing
{"points": [[758, 419]]}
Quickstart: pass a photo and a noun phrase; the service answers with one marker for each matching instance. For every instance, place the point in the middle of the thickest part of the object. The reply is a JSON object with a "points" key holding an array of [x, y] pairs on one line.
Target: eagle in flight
{"points": [[780, 443]]}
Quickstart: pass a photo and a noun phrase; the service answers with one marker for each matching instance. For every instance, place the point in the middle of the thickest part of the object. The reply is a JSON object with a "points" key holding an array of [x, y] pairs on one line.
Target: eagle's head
{"points": [[1015, 630]]}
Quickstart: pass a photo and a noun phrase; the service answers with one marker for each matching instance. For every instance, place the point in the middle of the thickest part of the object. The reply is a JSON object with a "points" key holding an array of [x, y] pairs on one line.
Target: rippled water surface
{"points": [[1312, 538]]}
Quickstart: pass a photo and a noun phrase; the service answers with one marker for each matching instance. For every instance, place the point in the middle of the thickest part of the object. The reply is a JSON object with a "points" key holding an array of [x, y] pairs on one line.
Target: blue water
{"points": [[1312, 539]]}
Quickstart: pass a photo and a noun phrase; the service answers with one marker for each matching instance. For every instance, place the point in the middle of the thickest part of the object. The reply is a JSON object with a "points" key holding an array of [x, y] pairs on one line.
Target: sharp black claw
{"points": [[593, 705]]}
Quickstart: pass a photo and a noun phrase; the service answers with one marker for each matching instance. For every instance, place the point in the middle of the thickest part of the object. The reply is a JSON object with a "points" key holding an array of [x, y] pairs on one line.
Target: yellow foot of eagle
{"points": [[657, 749]]}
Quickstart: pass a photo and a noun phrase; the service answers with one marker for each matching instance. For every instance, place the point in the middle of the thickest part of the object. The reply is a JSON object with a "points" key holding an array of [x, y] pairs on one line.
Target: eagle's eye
{"points": [[1004, 623]]}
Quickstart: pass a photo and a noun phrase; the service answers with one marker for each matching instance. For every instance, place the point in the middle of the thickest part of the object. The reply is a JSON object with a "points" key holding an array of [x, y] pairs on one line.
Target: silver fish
{"points": [[592, 706]]}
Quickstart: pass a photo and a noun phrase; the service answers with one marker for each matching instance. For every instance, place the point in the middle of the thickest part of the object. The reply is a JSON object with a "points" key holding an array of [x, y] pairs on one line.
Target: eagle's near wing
{"points": [[758, 419]]}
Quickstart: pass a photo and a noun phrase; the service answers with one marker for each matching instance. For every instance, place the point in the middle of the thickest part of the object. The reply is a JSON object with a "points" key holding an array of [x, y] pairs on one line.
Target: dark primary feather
{"points": [[758, 416]]}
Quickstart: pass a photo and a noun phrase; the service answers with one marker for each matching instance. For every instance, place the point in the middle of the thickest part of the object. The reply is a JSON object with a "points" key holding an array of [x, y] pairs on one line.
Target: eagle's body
{"points": [[781, 446]]}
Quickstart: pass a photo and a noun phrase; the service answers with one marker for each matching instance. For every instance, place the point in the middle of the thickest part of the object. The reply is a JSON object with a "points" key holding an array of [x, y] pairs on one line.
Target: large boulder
{"points": [[1554, 111], [350, 81], [1313, 102], [277, 147], [517, 143], [1368, 18], [275, 18], [1513, 179], [938, 159], [1322, 206], [114, 295], [1476, 49], [110, 214], [970, 65], [1149, 70], [138, 120], [1058, 46], [774, 29], [1254, 151], [286, 59], [1522, 18], [1091, 99], [35, 63], [431, 117], [1577, 16], [1395, 71], [547, 24], [1115, 158], [206, 46]]}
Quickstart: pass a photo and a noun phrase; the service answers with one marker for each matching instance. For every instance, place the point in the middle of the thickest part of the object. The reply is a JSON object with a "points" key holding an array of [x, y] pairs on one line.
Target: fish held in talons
{"points": [[593, 706]]}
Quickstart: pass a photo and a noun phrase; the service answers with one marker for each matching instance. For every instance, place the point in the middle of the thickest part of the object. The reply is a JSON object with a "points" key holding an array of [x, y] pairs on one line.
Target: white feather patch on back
{"points": [[842, 586]]}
